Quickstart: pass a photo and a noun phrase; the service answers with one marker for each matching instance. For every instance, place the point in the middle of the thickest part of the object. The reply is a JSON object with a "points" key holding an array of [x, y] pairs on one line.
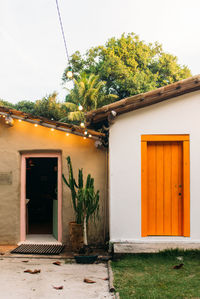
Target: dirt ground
{"points": [[6, 248], [16, 284]]}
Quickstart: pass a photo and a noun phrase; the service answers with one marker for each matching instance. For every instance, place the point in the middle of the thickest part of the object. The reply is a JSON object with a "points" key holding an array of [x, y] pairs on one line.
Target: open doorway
{"points": [[41, 195]]}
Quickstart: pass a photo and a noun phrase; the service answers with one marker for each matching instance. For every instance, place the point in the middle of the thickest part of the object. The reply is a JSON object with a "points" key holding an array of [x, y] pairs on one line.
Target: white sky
{"points": [[32, 55]]}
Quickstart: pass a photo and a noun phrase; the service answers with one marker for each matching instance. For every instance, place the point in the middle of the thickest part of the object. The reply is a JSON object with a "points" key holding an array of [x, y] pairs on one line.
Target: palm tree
{"points": [[88, 93]]}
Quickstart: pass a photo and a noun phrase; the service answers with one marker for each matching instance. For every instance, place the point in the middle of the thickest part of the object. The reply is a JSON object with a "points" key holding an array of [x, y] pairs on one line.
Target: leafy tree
{"points": [[6, 104], [50, 107], [25, 106], [88, 92], [128, 66]]}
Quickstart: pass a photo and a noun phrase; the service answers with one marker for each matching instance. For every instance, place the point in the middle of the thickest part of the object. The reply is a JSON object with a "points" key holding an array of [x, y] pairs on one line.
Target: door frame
{"points": [[185, 139], [25, 156]]}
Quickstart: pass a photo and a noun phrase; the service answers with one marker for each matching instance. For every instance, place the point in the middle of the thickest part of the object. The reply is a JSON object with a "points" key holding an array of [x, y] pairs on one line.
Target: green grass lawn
{"points": [[153, 276]]}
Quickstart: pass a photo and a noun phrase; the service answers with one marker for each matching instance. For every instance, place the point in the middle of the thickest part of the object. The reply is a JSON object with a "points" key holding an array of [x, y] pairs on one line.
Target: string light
{"points": [[80, 108], [69, 74], [9, 121]]}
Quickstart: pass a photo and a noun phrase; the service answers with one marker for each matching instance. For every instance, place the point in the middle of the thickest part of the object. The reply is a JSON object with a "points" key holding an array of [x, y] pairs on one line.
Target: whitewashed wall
{"points": [[180, 115]]}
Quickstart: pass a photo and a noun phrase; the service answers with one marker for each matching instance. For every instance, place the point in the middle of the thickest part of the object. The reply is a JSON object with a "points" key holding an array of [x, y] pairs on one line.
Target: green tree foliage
{"points": [[25, 106], [129, 66], [6, 104], [88, 92], [50, 107]]}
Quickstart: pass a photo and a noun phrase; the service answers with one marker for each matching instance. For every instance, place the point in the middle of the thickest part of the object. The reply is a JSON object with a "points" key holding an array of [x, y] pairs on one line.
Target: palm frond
{"points": [[70, 106], [75, 116], [89, 92]]}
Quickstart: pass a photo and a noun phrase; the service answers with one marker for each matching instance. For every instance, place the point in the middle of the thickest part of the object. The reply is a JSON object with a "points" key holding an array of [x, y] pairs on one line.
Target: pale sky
{"points": [[32, 54]]}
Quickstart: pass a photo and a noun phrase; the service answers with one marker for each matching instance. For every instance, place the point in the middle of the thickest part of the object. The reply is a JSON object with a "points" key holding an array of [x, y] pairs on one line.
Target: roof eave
{"points": [[60, 126], [145, 99]]}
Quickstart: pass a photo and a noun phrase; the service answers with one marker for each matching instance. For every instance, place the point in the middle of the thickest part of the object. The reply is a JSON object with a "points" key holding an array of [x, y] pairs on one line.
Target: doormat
{"points": [[46, 249]]}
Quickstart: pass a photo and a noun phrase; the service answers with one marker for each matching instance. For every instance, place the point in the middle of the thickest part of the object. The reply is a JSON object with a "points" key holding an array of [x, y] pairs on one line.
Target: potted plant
{"points": [[85, 202]]}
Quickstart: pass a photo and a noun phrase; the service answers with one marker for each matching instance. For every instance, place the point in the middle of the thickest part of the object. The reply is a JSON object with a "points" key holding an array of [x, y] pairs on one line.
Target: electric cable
{"points": [[62, 30]]}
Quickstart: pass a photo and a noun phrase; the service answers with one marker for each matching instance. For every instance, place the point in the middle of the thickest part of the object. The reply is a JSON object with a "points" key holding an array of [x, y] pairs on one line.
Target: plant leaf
{"points": [[36, 271], [57, 263], [86, 280], [58, 288]]}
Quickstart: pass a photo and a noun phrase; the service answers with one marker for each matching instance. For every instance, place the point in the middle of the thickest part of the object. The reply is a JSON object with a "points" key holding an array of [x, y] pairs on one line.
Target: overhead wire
{"points": [[62, 30]]}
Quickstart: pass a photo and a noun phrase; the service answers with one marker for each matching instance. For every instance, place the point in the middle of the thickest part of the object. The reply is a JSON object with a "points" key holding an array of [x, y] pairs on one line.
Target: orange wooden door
{"points": [[165, 188]]}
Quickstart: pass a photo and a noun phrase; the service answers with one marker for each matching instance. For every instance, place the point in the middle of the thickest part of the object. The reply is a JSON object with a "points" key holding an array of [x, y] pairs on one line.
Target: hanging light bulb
{"points": [[69, 73], [82, 124], [52, 129], [90, 135], [80, 108], [67, 134], [85, 132], [19, 120], [35, 125], [9, 121]]}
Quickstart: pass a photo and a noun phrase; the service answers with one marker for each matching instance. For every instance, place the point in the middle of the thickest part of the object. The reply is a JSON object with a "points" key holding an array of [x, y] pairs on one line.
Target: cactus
{"points": [[84, 199]]}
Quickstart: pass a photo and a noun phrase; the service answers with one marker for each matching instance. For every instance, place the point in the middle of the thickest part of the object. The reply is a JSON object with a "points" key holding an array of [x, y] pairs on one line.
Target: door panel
{"points": [[159, 190], [164, 188], [55, 219]]}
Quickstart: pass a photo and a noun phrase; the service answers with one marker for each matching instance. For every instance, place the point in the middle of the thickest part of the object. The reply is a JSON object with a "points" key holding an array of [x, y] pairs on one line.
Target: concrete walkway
{"points": [[15, 284]]}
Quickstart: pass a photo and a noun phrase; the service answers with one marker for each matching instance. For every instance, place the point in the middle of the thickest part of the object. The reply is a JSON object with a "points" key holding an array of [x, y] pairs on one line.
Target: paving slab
{"points": [[16, 284], [148, 247]]}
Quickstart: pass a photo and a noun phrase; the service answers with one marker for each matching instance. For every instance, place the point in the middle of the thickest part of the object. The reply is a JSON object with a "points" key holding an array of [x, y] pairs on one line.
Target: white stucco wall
{"points": [[180, 115]]}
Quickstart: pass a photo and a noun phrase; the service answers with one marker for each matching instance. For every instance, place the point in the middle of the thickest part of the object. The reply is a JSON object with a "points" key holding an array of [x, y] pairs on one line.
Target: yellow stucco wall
{"points": [[24, 136]]}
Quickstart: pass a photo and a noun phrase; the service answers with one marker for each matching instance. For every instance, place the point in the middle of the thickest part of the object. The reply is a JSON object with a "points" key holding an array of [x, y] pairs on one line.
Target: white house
{"points": [[154, 164]]}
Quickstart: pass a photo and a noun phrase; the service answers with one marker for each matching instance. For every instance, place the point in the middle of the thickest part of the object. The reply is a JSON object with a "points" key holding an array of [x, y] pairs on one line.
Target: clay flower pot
{"points": [[76, 236], [85, 259]]}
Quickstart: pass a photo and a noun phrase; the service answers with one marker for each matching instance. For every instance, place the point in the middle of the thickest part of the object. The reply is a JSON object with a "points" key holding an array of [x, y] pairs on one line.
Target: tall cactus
{"points": [[84, 199], [74, 187]]}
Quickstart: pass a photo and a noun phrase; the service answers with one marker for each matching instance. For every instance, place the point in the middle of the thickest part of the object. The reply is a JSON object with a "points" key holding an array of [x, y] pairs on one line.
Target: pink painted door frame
{"points": [[23, 191]]}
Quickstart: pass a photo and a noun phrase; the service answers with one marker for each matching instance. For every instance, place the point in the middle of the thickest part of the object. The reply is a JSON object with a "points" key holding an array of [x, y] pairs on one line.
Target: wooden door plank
{"points": [[159, 186], [180, 189], [144, 188], [151, 187], [186, 188], [175, 188], [167, 190]]}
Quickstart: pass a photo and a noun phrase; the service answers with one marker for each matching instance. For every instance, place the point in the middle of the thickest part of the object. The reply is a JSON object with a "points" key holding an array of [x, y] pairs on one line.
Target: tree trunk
{"points": [[85, 231]]}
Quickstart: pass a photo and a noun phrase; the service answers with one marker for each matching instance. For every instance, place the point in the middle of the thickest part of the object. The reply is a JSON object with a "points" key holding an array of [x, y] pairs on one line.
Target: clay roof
{"points": [[42, 121], [101, 115]]}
